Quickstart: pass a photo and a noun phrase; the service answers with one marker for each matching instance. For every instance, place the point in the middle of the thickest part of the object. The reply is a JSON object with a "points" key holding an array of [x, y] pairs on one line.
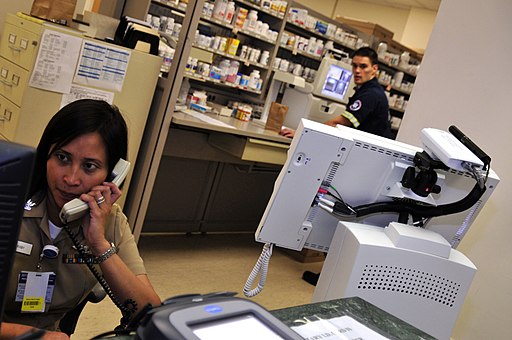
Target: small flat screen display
{"points": [[245, 327], [336, 83]]}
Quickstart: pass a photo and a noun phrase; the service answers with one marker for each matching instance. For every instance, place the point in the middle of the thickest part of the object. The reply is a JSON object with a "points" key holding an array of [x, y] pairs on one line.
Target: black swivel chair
{"points": [[68, 322]]}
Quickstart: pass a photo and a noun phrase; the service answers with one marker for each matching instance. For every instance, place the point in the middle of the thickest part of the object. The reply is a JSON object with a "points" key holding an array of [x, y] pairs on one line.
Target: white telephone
{"points": [[77, 208]]}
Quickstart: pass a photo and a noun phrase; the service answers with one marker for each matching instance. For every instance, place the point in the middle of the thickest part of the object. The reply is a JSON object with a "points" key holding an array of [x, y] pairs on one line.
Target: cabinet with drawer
{"points": [[20, 41], [18, 50], [9, 114], [13, 81]]}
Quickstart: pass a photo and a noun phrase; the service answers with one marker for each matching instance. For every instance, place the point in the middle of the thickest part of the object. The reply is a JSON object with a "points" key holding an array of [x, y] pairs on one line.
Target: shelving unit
{"points": [[398, 95], [216, 82], [157, 166], [245, 61], [272, 12], [298, 31], [212, 27]]}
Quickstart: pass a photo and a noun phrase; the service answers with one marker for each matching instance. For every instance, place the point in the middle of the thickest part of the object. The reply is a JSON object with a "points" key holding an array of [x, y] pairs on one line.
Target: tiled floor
{"points": [[180, 264]]}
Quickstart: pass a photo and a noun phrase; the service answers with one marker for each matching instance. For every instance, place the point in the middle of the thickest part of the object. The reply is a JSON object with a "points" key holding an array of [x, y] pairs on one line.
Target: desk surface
{"points": [[224, 124], [373, 317]]}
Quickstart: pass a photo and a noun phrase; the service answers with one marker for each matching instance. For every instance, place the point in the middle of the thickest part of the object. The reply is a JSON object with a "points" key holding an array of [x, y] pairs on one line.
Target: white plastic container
{"points": [[230, 12], [219, 9], [233, 71], [398, 78], [264, 57], [199, 97], [224, 66], [254, 77], [223, 44], [382, 49], [169, 25], [252, 20], [243, 52], [176, 30], [404, 59], [319, 47], [155, 23], [312, 45]]}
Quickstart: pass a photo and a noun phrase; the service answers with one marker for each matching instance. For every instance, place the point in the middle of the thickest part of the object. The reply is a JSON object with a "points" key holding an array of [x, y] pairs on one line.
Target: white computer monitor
{"points": [[322, 100], [333, 80], [361, 169]]}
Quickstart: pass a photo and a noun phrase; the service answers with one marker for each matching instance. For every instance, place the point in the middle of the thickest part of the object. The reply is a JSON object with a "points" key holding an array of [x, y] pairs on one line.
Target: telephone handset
{"points": [[77, 208]]}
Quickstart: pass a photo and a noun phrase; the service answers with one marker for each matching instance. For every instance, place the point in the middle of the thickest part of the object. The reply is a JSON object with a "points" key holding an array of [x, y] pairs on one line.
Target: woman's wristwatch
{"points": [[109, 252]]}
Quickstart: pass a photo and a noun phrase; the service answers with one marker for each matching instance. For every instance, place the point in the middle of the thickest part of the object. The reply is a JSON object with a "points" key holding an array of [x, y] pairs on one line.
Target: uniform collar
{"points": [[369, 83], [35, 210], [39, 211]]}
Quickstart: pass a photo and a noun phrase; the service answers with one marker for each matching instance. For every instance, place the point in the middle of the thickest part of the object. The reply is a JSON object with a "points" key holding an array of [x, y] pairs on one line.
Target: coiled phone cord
{"points": [[126, 311], [261, 265]]}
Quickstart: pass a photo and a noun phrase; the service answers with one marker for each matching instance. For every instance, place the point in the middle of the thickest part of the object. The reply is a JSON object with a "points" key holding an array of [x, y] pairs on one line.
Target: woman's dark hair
{"points": [[76, 119], [367, 52]]}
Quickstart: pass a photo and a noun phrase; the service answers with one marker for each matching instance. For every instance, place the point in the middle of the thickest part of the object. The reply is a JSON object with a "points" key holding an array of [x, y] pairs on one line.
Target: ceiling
{"points": [[432, 5]]}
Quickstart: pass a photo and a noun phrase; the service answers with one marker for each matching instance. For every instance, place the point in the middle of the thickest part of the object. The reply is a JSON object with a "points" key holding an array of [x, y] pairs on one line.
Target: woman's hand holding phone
{"points": [[100, 200]]}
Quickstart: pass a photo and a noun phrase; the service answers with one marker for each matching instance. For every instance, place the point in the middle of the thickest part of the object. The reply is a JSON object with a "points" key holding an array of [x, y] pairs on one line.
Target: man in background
{"points": [[367, 110]]}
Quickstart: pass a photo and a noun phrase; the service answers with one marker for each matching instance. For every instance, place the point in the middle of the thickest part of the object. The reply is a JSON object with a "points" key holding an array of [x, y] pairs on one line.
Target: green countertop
{"points": [[369, 315]]}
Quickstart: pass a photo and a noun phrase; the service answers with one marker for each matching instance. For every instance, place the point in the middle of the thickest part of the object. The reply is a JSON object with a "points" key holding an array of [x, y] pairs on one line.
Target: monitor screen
{"points": [[241, 327], [16, 163], [356, 168], [333, 80]]}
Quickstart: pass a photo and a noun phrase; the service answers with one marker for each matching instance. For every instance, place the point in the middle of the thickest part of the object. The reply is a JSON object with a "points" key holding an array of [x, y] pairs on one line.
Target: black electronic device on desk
{"points": [[210, 316], [137, 34]]}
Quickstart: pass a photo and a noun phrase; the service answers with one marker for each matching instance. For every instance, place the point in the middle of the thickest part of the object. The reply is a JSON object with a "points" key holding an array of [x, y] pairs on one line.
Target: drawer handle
{"points": [[14, 48], [267, 143], [6, 83], [6, 117]]}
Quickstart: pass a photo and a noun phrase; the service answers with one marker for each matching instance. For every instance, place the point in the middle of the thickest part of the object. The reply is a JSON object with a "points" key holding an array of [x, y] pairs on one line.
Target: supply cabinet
{"points": [[25, 110]]}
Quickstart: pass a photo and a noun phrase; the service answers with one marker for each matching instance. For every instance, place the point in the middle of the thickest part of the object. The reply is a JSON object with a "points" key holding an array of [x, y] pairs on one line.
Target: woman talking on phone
{"points": [[57, 264]]}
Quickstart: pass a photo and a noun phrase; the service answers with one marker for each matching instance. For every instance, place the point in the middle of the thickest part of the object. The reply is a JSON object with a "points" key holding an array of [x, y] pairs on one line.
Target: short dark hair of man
{"points": [[367, 52]]}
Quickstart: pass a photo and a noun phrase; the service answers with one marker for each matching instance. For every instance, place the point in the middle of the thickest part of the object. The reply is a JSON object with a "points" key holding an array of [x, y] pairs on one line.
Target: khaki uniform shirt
{"points": [[73, 281]]}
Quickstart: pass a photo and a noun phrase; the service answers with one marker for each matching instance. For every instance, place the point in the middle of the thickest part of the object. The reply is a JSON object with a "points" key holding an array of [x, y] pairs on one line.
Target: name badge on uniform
{"points": [[24, 248], [35, 291]]}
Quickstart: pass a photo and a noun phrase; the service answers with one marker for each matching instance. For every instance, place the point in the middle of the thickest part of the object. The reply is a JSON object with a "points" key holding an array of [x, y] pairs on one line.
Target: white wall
{"points": [[418, 28], [410, 27], [465, 80]]}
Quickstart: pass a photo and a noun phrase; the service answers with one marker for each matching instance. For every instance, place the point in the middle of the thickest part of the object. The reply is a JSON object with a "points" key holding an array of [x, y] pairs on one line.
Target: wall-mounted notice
{"points": [[56, 61], [81, 92], [102, 65]]}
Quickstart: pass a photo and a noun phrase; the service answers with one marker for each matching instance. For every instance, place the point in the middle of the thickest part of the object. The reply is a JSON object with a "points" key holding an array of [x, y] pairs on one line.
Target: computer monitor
{"points": [[333, 80], [322, 100], [16, 164], [360, 169]]}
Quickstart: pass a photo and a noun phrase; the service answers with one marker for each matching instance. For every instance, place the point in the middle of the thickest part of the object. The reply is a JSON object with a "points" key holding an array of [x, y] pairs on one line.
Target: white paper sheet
{"points": [[56, 61], [343, 327], [102, 65], [207, 119], [81, 92]]}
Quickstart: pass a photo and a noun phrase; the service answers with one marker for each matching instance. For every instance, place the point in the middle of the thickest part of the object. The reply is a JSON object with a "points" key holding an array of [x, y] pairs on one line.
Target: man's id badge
{"points": [[35, 291]]}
